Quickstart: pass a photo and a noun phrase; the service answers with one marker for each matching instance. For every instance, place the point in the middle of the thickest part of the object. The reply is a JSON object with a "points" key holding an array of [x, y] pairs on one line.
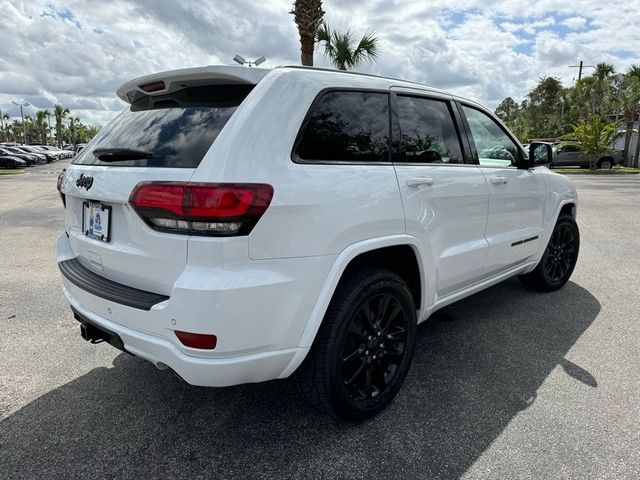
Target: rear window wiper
{"points": [[117, 154]]}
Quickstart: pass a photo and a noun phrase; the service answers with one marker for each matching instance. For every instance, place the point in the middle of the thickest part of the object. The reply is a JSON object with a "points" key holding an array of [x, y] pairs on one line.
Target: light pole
{"points": [[24, 131]]}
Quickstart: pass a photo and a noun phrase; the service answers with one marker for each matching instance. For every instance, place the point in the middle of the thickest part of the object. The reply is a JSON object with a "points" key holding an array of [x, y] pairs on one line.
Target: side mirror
{"points": [[540, 154]]}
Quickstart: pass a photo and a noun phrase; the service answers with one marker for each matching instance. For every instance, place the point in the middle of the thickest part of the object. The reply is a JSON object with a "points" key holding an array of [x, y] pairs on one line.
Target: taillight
{"points": [[197, 340], [213, 209], [59, 187]]}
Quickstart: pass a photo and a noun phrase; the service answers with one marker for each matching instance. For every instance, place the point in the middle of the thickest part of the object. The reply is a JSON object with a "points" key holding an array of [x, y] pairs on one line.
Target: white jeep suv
{"points": [[241, 224]]}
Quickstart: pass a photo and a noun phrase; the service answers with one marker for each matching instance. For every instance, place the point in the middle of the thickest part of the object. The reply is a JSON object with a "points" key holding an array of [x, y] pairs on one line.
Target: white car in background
{"points": [[242, 224]]}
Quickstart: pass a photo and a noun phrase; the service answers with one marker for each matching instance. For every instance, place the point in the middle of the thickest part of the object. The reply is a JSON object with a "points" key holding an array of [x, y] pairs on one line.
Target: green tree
{"points": [[29, 128], [4, 118], [341, 49], [630, 105], [41, 125], [60, 113], [74, 124], [307, 15], [595, 135], [544, 107], [508, 110], [602, 85]]}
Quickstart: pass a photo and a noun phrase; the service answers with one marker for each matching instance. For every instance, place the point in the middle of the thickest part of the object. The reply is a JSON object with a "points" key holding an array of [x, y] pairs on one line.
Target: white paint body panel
{"points": [[265, 295]]}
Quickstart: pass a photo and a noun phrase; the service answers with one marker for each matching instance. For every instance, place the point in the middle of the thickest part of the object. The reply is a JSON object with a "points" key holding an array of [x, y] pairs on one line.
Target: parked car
{"points": [[57, 154], [568, 154], [62, 153], [283, 224], [17, 151], [28, 158], [50, 157], [8, 161]]}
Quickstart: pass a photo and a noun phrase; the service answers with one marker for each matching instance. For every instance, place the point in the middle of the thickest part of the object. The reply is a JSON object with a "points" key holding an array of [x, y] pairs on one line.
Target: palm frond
{"points": [[340, 47]]}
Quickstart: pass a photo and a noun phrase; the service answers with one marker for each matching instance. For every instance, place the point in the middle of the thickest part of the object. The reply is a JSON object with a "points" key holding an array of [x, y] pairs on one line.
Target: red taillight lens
{"points": [[197, 340], [215, 209], [59, 187], [153, 87]]}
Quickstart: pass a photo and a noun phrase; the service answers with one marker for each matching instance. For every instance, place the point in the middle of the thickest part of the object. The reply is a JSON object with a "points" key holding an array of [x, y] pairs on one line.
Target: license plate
{"points": [[96, 221]]}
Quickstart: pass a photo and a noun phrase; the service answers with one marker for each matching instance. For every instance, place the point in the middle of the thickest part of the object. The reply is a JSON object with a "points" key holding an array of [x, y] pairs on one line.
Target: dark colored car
{"points": [[568, 154], [14, 150], [7, 161], [27, 157]]}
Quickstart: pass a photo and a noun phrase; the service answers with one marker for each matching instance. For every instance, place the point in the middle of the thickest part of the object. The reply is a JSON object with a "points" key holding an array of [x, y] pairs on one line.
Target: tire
{"points": [[559, 258], [605, 164], [358, 362]]}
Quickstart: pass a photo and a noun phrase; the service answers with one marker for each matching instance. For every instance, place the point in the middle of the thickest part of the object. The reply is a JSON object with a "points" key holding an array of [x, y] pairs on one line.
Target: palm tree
{"points": [[341, 49], [3, 117], [602, 86], [60, 113], [74, 123], [16, 131], [307, 15], [29, 127], [41, 125]]}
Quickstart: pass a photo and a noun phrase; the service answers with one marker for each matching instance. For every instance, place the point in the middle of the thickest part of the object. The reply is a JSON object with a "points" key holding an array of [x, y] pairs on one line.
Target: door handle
{"points": [[498, 180], [417, 181]]}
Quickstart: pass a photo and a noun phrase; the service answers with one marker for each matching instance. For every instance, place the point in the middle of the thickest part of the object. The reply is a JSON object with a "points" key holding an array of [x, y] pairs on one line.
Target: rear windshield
{"points": [[172, 131]]}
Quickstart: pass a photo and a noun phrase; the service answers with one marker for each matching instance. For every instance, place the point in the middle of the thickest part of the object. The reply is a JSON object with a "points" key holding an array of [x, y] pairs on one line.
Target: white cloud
{"points": [[575, 23], [76, 52]]}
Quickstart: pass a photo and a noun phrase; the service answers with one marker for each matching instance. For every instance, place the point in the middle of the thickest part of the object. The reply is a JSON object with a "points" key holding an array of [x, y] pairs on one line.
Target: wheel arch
{"points": [[363, 253]]}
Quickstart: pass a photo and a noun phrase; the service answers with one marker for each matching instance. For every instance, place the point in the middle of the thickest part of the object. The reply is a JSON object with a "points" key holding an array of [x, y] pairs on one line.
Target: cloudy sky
{"points": [[77, 52]]}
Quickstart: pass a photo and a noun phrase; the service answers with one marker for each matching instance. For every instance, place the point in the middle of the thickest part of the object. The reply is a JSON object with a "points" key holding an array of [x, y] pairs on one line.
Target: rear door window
{"points": [[171, 131], [428, 134], [346, 126]]}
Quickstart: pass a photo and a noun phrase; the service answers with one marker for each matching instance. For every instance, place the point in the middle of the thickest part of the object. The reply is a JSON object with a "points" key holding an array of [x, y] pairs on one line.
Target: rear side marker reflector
{"points": [[197, 340], [212, 209]]}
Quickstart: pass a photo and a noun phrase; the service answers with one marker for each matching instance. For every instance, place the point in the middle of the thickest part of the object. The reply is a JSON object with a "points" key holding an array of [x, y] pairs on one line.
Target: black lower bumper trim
{"points": [[94, 333], [93, 283]]}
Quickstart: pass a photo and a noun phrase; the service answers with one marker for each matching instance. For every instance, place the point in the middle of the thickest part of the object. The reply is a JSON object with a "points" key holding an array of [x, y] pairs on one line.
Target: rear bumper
{"points": [[256, 310], [207, 372]]}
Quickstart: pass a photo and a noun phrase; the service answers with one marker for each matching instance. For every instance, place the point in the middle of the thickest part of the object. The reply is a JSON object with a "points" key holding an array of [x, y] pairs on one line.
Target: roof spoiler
{"points": [[164, 83]]}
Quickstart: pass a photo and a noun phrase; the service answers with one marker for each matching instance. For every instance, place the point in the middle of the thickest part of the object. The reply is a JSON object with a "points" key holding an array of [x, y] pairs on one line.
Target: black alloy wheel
{"points": [[363, 350], [374, 347], [559, 258]]}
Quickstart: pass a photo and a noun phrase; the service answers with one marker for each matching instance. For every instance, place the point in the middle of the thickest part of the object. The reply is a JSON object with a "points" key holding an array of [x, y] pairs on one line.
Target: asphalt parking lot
{"points": [[505, 384]]}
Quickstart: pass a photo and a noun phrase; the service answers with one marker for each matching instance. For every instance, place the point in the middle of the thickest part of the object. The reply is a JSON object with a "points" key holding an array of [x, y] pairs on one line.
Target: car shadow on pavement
{"points": [[478, 363]]}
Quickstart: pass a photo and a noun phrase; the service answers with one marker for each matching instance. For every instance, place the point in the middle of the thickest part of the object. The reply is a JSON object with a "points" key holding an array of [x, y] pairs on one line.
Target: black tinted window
{"points": [[428, 134], [175, 130], [347, 126]]}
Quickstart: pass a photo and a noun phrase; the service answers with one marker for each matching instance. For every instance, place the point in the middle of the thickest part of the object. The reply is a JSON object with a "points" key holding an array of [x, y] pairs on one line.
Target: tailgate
{"points": [[135, 254]]}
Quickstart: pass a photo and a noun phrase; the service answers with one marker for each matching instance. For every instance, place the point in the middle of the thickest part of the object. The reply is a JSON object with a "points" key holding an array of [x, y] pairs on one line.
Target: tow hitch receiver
{"points": [[91, 333], [97, 334]]}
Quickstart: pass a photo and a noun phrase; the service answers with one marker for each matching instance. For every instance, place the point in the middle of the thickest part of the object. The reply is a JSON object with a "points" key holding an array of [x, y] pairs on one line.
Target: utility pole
{"points": [[24, 131], [580, 67]]}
